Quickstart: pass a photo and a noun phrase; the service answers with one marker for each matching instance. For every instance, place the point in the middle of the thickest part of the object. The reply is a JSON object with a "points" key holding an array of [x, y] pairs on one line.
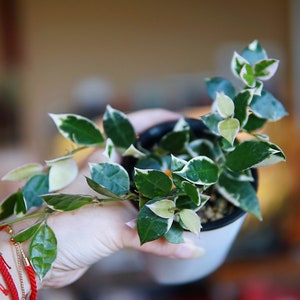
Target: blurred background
{"points": [[63, 56]]}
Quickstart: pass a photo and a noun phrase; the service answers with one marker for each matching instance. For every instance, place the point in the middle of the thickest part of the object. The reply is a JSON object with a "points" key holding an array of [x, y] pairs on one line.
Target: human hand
{"points": [[95, 231]]}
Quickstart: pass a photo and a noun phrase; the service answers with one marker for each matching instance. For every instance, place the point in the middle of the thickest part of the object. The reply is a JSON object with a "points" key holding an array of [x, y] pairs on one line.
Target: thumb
{"points": [[161, 247]]}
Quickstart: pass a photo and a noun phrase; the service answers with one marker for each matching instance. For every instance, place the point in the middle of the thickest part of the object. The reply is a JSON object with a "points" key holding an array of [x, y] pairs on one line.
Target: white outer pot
{"points": [[215, 242]]}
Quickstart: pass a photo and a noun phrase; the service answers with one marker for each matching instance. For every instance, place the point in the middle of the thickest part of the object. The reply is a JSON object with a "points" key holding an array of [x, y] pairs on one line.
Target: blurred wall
{"points": [[126, 41], [63, 42]]}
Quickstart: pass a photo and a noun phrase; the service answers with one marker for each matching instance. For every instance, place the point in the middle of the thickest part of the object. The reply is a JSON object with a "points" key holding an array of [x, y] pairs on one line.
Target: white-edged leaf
{"points": [[133, 151], [275, 157], [163, 208], [237, 62], [191, 220], [200, 170], [265, 69], [110, 150], [247, 75], [229, 129], [78, 129], [23, 172], [225, 105], [62, 173], [181, 125]]}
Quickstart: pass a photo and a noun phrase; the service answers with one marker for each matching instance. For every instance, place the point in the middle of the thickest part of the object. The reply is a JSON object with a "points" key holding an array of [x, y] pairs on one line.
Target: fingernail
{"points": [[131, 224], [188, 250]]}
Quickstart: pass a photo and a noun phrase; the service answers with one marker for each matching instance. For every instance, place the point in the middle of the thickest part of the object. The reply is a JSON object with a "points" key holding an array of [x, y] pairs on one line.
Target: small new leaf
{"points": [[247, 76], [191, 220], [225, 105], [23, 172], [265, 69], [163, 208], [237, 63], [229, 129], [62, 173]]}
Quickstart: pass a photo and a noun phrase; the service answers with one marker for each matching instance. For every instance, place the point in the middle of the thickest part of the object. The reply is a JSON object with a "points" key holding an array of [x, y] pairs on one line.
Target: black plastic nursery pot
{"points": [[149, 138], [216, 237]]}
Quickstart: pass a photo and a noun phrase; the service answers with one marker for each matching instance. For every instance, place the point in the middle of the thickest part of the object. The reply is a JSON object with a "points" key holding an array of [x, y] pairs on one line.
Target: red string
{"points": [[8, 279], [4, 290], [32, 280]]}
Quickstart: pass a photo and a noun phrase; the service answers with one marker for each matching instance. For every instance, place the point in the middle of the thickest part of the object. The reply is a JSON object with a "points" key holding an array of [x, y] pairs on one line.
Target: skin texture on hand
{"points": [[93, 232]]}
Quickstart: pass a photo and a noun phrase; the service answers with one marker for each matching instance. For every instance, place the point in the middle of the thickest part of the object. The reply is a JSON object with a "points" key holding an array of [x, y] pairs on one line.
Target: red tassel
{"points": [[32, 280], [4, 290], [8, 279]]}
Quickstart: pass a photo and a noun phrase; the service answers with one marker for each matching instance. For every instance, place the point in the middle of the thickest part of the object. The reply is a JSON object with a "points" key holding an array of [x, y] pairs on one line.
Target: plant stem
{"points": [[37, 214]]}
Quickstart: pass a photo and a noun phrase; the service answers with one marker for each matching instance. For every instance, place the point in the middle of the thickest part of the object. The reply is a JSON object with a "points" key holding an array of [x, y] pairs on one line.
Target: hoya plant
{"points": [[172, 182]]}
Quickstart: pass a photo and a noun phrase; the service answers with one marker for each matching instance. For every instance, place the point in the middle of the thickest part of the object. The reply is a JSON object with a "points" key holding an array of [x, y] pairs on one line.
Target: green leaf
{"points": [[101, 189], [247, 75], [254, 52], [193, 192], [21, 206], [62, 172], [183, 202], [237, 63], [118, 128], [200, 170], [163, 208], [248, 154], [175, 141], [23, 172], [276, 157], [66, 202], [112, 176], [211, 121], [241, 103], [34, 187], [267, 107], [229, 129], [218, 85], [191, 220], [225, 105], [177, 163], [27, 233], [152, 183], [150, 226], [7, 207], [78, 129], [254, 123], [174, 234], [43, 250], [240, 193], [265, 69]]}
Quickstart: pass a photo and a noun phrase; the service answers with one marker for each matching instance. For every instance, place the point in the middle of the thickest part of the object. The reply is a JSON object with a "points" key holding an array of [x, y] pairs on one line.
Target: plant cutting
{"points": [[182, 176]]}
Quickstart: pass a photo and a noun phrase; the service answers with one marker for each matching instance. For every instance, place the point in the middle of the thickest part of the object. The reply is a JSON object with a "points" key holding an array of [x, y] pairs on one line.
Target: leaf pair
{"points": [[83, 131]]}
